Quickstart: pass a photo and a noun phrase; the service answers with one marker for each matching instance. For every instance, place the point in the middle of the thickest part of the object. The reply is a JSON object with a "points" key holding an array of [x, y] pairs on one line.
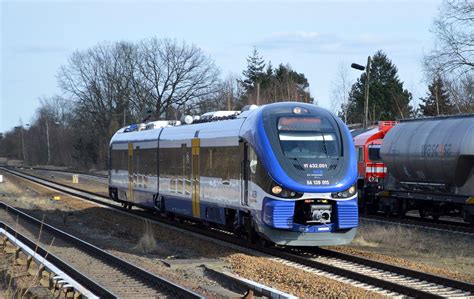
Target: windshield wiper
{"points": [[324, 144]]}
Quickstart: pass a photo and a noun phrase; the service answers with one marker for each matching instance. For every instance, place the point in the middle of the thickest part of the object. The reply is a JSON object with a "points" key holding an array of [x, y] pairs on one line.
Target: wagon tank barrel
{"points": [[433, 150]]}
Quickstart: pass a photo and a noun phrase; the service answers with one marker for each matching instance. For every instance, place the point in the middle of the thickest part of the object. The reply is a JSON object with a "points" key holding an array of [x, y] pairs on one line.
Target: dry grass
{"points": [[147, 242], [414, 240]]}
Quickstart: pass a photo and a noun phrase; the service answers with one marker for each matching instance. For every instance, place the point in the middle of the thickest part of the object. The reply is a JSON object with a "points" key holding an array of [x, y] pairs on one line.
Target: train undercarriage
{"points": [[398, 204]]}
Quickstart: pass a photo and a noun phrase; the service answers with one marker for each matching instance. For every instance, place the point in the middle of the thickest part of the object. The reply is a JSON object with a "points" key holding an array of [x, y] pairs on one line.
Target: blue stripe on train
{"points": [[178, 205], [279, 214], [183, 206], [347, 213]]}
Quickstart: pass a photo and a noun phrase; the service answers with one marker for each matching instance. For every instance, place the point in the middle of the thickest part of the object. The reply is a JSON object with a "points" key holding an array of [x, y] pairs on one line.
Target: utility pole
{"points": [[366, 103], [19, 143], [366, 93], [23, 145], [47, 142], [22, 141]]}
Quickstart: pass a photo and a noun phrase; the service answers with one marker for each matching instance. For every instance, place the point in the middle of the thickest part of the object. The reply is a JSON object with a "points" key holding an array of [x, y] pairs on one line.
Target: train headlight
{"points": [[299, 110], [281, 192], [277, 190], [346, 193]]}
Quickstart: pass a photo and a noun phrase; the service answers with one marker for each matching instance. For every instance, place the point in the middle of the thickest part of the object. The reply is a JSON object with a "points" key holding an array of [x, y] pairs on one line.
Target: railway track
{"points": [[372, 275], [44, 268], [102, 177], [109, 277]]}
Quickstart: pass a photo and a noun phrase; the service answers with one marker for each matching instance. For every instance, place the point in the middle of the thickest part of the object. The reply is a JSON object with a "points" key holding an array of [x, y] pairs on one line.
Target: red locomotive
{"points": [[371, 171]]}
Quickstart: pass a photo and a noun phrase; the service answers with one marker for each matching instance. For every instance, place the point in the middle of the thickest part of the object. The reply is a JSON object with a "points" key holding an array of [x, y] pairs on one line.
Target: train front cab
{"points": [[298, 219], [306, 193]]}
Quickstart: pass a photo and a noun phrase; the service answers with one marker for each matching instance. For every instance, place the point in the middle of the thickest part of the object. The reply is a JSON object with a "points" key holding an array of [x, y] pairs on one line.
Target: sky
{"points": [[316, 38]]}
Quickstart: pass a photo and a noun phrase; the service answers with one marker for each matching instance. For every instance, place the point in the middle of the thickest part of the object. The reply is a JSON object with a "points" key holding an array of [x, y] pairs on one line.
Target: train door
{"points": [[245, 174], [195, 179], [130, 171]]}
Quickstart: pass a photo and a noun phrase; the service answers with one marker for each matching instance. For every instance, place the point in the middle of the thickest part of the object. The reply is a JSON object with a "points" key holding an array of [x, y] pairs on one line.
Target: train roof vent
{"points": [[149, 126], [215, 116], [249, 107], [386, 123], [162, 124]]}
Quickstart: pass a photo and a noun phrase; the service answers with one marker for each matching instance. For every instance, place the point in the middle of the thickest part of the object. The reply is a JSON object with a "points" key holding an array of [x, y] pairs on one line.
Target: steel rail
{"points": [[97, 175], [137, 272], [74, 278]]}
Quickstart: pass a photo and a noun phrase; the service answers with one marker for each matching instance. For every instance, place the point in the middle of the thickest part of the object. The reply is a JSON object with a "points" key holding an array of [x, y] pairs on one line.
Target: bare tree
{"points": [[453, 57], [226, 97], [99, 82], [454, 33], [341, 87], [173, 74], [461, 91]]}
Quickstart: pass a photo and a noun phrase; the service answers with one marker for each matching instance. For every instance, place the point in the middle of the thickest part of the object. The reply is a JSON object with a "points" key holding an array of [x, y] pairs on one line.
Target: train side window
{"points": [[360, 154], [118, 161]]}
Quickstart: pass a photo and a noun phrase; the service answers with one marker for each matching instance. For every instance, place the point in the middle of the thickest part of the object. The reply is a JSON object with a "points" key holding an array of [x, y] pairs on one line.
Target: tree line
{"points": [[118, 83], [449, 73], [115, 84]]}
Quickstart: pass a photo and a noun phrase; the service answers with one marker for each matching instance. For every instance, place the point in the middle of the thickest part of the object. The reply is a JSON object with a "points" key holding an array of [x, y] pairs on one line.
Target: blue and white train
{"points": [[282, 172]]}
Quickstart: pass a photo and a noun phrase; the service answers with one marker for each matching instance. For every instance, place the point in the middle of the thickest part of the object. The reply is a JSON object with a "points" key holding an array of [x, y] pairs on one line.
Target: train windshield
{"points": [[308, 137]]}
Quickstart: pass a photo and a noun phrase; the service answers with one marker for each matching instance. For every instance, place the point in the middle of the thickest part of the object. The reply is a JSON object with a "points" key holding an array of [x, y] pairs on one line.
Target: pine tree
{"points": [[437, 101], [254, 72], [388, 100], [264, 85]]}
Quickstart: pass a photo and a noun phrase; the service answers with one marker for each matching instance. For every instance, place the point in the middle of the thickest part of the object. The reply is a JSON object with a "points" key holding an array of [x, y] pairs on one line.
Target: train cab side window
{"points": [[374, 153], [360, 154], [258, 174], [253, 161]]}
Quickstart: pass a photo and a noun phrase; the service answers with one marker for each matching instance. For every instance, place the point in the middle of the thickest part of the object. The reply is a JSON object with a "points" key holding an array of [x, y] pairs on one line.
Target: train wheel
{"points": [[386, 212], [402, 209], [265, 243], [169, 215], [422, 213]]}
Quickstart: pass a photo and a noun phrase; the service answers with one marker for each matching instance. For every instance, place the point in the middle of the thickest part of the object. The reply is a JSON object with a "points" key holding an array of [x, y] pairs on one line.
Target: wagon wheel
{"points": [[422, 213]]}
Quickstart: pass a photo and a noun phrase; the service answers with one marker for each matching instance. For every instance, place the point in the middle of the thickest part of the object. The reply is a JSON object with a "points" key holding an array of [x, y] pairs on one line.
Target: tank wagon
{"points": [[430, 164], [282, 172]]}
